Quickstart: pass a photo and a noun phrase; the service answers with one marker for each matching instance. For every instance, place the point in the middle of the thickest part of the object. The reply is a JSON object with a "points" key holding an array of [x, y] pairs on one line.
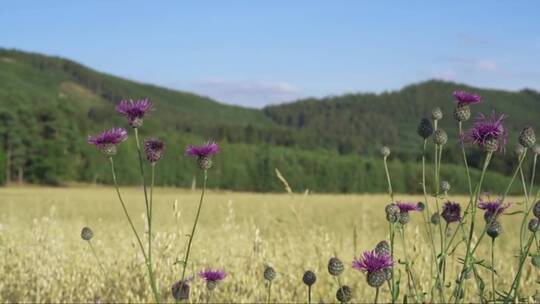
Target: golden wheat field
{"points": [[43, 258]]}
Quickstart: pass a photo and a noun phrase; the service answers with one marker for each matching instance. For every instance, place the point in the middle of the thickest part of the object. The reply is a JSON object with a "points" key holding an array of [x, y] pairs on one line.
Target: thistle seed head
{"points": [[494, 229], [536, 209], [383, 248], [335, 266], [533, 225], [445, 186], [309, 278], [527, 137], [440, 138], [436, 114], [377, 278], [344, 294], [435, 219], [403, 218], [425, 129], [269, 273], [87, 234], [385, 151], [211, 285], [462, 112]]}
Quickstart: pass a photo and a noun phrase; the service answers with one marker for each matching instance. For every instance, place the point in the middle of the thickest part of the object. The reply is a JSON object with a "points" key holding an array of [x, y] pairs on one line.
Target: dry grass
{"points": [[43, 258]]}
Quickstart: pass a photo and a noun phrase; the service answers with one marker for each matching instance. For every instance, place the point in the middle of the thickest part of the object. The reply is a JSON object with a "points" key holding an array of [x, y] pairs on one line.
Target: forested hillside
{"points": [[49, 105]]}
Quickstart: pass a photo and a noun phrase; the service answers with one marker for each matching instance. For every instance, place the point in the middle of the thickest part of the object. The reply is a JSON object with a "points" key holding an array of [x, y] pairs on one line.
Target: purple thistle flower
{"points": [[203, 153], [487, 130], [106, 141], [134, 110], [210, 275], [451, 212], [154, 149], [371, 262], [406, 207], [492, 207], [463, 97]]}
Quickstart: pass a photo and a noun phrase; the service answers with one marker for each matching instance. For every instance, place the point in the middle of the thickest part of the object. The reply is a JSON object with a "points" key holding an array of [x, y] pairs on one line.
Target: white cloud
{"points": [[246, 93]]}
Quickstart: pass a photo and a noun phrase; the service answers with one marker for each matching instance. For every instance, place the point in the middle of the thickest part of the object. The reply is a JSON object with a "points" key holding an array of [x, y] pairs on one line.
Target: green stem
{"points": [[392, 238], [407, 263], [493, 269], [390, 191], [269, 291], [339, 284], [191, 236], [533, 175], [376, 295], [309, 294], [515, 284], [96, 256], [471, 231], [150, 273], [464, 155]]}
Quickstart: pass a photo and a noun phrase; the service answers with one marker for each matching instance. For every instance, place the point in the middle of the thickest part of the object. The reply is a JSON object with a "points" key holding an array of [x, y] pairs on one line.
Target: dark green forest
{"points": [[49, 105]]}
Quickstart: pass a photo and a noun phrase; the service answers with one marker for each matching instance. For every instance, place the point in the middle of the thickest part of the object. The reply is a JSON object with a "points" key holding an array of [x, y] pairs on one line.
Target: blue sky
{"points": [[258, 52]]}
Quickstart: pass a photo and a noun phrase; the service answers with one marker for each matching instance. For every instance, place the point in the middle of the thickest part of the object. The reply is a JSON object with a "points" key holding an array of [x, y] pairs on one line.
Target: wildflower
{"points": [[420, 206], [463, 112], [451, 212], [180, 289], [153, 148], [344, 294], [203, 153], [492, 208], [494, 229], [107, 141], [445, 186], [374, 265], [425, 129], [536, 209], [87, 234], [436, 114], [212, 277], [488, 133], [463, 97], [527, 137], [335, 266], [269, 273], [134, 110], [404, 208], [440, 138], [309, 278], [533, 225], [385, 151], [383, 248]]}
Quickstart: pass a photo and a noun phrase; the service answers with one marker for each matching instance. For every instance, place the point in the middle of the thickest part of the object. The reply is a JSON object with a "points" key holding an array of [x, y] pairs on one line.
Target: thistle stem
{"points": [[309, 294], [390, 191], [376, 295], [407, 264], [97, 258], [391, 226], [191, 236], [150, 273], [269, 291], [533, 175], [493, 270]]}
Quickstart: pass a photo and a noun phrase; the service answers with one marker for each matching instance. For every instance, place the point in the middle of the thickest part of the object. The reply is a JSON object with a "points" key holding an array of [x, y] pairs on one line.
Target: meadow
{"points": [[44, 259]]}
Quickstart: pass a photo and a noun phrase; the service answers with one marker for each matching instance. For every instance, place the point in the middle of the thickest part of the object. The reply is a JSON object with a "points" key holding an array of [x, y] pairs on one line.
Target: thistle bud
{"points": [[335, 266], [440, 138], [344, 294], [180, 291], [309, 278], [494, 229], [392, 212], [435, 219], [383, 248], [204, 163], [421, 206], [445, 186], [527, 137], [536, 209], [462, 112], [425, 129], [533, 225], [403, 217], [385, 151], [436, 113], [87, 234], [211, 285], [269, 273], [491, 145]]}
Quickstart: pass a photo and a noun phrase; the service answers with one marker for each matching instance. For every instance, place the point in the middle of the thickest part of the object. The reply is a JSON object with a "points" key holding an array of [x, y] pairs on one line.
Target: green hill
{"points": [[48, 106]]}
